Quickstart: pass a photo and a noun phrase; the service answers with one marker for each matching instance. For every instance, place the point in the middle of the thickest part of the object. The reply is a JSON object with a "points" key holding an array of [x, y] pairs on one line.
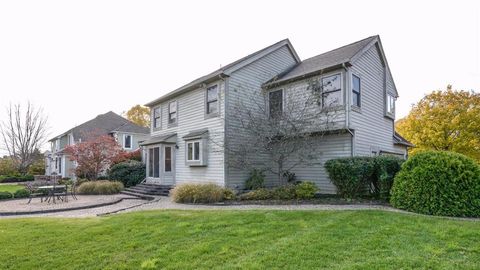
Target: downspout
{"points": [[347, 109], [225, 104]]}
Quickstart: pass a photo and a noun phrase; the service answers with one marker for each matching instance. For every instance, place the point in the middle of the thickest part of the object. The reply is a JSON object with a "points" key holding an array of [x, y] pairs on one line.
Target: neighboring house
{"points": [[191, 124], [127, 134]]}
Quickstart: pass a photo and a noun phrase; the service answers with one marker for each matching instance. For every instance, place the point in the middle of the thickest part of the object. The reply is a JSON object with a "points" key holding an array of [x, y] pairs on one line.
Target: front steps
{"points": [[147, 191]]}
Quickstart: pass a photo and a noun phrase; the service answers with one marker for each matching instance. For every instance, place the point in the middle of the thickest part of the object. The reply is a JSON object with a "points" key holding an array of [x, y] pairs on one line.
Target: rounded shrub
{"points": [[438, 183], [305, 190], [129, 172], [351, 176]]}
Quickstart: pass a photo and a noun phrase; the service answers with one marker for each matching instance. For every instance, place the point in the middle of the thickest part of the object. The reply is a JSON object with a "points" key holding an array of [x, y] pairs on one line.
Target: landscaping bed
{"points": [[241, 240], [322, 199]]}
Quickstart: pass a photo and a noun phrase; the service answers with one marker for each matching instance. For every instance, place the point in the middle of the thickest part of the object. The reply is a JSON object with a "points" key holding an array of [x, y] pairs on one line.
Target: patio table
{"points": [[51, 191]]}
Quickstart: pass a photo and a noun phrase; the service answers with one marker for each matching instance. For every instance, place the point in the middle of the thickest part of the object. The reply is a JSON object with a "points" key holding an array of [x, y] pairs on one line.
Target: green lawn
{"points": [[11, 188], [241, 240]]}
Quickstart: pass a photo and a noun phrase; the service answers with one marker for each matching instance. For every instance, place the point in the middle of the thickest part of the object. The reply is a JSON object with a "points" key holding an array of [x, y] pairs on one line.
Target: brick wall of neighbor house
{"points": [[242, 85], [373, 131], [191, 117]]}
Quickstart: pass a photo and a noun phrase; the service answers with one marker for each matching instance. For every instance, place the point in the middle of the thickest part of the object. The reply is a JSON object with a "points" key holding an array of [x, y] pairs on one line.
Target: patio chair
{"points": [[34, 191]]}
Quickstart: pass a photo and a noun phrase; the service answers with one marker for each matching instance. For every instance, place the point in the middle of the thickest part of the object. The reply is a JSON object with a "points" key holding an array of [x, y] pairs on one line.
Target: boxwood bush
{"points": [[356, 177], [100, 187], [201, 193], [129, 172], [305, 190], [351, 176], [438, 183]]}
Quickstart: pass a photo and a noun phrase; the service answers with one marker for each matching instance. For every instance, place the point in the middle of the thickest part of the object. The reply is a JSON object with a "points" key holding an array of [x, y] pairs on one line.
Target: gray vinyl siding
{"points": [[136, 138], [373, 131], [327, 147], [191, 117], [243, 85]]}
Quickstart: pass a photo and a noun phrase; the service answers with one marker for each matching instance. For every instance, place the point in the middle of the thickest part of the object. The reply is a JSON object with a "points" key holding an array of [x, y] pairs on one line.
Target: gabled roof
{"points": [[104, 124], [225, 70], [398, 139], [333, 58]]}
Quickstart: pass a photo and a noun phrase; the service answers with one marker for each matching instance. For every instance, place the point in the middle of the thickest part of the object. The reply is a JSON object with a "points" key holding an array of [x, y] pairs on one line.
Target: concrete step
{"points": [[138, 195]]}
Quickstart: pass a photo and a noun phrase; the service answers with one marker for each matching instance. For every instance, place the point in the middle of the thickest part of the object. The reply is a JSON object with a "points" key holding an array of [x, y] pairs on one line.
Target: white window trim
{"points": [[124, 142], [193, 151], [208, 115], [359, 90], [159, 107], [390, 97], [341, 89], [176, 113]]}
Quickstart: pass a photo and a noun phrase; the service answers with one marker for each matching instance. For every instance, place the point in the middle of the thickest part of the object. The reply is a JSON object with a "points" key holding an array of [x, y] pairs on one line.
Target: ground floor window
{"points": [[168, 159], [153, 162]]}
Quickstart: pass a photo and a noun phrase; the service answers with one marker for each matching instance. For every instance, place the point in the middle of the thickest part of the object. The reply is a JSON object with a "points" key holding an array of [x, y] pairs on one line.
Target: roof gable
{"points": [[226, 70], [333, 58], [104, 124]]}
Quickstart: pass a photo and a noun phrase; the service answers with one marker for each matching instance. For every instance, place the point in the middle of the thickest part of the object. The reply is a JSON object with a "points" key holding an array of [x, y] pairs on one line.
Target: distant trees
{"points": [[23, 133], [139, 115], [445, 120]]}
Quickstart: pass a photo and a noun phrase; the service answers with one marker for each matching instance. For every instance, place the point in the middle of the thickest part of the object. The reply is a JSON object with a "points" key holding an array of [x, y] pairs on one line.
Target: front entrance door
{"points": [[161, 164]]}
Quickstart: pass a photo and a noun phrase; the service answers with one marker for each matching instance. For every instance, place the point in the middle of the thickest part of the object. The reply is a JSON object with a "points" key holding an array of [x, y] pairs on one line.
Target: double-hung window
{"points": [[212, 100], [193, 151], [331, 91], [275, 103], [127, 141], [390, 104], [172, 112], [356, 90], [157, 117]]}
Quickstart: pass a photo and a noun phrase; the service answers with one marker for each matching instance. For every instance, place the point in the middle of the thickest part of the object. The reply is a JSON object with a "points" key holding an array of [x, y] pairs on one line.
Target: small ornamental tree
{"points": [[94, 156]]}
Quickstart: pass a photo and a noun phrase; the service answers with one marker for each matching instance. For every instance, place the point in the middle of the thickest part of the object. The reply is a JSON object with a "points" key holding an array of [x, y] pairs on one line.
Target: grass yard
{"points": [[241, 240], [11, 188]]}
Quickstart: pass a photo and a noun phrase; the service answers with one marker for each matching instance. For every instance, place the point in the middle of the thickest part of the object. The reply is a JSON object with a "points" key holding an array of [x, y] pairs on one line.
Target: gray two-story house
{"points": [[127, 134], [193, 125]]}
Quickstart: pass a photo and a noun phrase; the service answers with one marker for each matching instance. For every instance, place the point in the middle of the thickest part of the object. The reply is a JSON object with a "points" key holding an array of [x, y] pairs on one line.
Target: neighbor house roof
{"points": [[224, 71], [398, 139], [104, 124], [330, 59]]}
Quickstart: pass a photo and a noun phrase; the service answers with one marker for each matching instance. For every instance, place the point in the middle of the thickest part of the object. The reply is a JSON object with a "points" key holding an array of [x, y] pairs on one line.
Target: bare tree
{"points": [[23, 132], [279, 131]]}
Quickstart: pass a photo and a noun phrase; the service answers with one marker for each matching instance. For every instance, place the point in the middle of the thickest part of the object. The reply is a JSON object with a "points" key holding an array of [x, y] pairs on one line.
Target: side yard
{"points": [[241, 240]]}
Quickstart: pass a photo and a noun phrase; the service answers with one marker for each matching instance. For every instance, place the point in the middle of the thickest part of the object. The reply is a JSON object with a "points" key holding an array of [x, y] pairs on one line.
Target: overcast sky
{"points": [[78, 59]]}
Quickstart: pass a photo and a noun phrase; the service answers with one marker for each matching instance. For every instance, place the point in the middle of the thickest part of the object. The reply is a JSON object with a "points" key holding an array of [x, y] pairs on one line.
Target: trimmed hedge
{"points": [[130, 172], [21, 193], [16, 178], [303, 190], [356, 177], [201, 193], [100, 187], [5, 195], [438, 183]]}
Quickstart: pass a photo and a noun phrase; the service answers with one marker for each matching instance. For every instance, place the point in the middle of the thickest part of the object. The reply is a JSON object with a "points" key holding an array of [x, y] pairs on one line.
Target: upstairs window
{"points": [[390, 104], [355, 90], [127, 141], [157, 117], [212, 100], [275, 103], [172, 112], [331, 91]]}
